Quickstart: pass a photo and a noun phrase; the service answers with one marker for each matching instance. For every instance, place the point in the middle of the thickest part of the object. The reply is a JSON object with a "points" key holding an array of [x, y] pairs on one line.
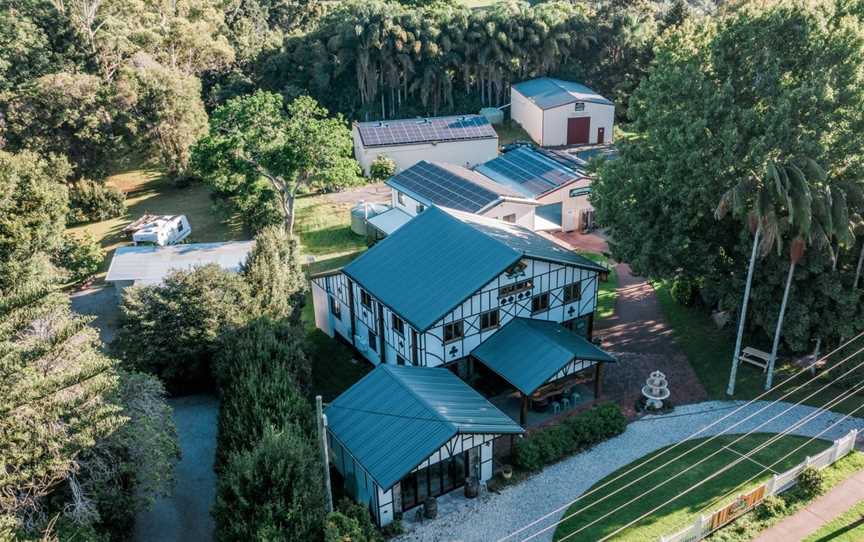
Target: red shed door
{"points": [[577, 130]]}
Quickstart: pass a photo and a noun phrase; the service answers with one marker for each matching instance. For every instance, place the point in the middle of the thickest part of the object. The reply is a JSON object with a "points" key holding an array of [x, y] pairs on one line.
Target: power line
{"points": [[724, 469], [797, 424], [702, 430]]}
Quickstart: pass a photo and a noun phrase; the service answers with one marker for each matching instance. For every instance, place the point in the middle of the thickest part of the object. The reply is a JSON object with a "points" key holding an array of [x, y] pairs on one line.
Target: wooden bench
{"points": [[755, 357]]}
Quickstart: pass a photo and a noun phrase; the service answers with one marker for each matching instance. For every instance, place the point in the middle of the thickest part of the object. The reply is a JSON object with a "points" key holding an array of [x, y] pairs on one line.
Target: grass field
{"points": [[509, 131], [683, 510], [148, 192], [709, 351]]}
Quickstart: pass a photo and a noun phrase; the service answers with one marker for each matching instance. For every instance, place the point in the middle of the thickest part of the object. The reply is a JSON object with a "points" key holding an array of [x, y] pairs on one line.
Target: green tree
{"points": [[74, 115], [725, 98], [273, 491], [165, 111], [254, 137], [32, 213], [81, 256], [173, 329], [55, 406], [277, 282]]}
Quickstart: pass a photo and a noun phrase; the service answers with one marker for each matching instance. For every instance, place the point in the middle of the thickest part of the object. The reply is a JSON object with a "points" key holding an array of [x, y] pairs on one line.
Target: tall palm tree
{"points": [[756, 198]]}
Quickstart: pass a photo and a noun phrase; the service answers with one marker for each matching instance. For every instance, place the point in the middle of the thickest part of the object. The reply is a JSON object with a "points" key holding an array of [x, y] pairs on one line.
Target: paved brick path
{"points": [[824, 509]]}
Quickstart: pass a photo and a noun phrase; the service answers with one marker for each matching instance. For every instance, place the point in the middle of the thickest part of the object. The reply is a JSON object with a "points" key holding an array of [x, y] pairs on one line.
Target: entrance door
{"points": [[601, 135], [578, 129]]}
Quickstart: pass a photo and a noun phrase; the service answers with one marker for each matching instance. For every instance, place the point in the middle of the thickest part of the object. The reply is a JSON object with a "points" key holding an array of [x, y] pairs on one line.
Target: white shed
{"points": [[557, 113], [143, 265], [464, 140]]}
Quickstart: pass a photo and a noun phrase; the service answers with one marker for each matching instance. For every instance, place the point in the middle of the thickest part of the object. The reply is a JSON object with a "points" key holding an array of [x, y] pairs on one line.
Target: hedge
{"points": [[572, 435]]}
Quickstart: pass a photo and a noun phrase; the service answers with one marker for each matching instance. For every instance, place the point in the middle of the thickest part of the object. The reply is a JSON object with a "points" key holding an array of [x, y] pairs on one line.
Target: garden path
{"points": [[491, 517]]}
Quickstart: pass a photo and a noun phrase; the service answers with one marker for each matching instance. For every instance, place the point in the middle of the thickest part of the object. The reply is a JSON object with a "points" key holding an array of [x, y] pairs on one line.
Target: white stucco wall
{"points": [[524, 212], [466, 153], [409, 204], [527, 115], [555, 122]]}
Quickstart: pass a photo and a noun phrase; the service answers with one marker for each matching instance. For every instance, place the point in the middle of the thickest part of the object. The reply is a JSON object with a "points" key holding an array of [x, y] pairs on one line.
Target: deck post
{"points": [[523, 410], [598, 377]]}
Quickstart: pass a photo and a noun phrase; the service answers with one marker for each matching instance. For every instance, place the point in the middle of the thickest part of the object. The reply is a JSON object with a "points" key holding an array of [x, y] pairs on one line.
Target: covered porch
{"points": [[547, 368]]}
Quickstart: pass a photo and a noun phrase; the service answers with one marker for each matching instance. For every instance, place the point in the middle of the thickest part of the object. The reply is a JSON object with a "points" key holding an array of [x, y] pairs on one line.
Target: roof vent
{"points": [[382, 124], [423, 121]]}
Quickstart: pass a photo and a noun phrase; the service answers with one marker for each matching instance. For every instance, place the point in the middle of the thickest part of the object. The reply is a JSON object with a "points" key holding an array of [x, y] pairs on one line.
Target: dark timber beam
{"points": [[523, 410], [598, 378]]}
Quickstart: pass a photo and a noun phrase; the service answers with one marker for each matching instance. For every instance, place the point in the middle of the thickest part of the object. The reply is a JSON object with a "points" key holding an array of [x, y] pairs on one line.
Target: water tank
{"points": [[493, 114], [363, 211]]}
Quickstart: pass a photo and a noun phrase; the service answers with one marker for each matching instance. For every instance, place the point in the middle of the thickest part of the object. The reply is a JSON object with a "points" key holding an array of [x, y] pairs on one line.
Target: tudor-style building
{"points": [[450, 290], [445, 282]]}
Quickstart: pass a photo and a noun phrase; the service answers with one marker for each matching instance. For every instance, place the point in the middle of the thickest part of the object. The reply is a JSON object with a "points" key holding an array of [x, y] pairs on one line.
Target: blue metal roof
{"points": [[449, 185], [437, 260], [529, 171], [547, 92], [397, 416], [527, 353]]}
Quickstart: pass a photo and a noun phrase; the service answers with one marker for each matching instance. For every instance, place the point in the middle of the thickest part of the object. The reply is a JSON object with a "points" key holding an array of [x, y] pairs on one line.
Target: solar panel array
{"points": [[531, 170], [443, 188], [425, 130]]}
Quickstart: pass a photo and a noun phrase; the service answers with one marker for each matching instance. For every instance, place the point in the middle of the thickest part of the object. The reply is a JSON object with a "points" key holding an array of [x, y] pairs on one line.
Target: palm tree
{"points": [[752, 197]]}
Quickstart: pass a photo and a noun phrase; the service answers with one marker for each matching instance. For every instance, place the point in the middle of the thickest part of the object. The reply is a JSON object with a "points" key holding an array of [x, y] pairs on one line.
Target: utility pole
{"points": [[325, 454]]}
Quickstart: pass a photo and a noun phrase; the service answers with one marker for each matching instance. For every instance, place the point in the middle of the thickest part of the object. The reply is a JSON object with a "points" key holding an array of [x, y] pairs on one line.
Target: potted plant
{"points": [[507, 471], [472, 487], [430, 508]]}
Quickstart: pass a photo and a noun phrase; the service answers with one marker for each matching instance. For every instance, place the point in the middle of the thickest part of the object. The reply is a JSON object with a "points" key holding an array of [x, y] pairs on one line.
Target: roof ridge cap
{"points": [[393, 374]]}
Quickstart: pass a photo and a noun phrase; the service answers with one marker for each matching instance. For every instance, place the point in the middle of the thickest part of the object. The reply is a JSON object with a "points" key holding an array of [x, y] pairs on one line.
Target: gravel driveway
{"points": [[492, 516]]}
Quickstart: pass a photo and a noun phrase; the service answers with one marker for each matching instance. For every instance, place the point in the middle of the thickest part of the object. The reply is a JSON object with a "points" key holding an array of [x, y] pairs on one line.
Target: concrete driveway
{"points": [[101, 302], [185, 516]]}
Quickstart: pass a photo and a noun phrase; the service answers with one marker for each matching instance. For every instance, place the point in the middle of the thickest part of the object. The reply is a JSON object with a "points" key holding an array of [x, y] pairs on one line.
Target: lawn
{"points": [[608, 290], [709, 351], [147, 191], [677, 514], [324, 228]]}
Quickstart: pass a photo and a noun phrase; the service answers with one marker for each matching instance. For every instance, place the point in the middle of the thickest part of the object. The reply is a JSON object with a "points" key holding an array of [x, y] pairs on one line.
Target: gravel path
{"points": [[492, 516]]}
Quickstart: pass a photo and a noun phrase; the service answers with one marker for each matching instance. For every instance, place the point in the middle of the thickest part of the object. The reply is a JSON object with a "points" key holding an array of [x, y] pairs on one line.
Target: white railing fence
{"points": [[705, 525]]}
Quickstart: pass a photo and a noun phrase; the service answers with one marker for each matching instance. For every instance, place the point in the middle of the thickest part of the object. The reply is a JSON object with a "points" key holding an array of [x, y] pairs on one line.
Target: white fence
{"points": [[705, 525]]}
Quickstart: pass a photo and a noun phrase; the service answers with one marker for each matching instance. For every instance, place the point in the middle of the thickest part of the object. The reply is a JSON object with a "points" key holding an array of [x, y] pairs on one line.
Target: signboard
{"points": [[576, 192], [741, 505]]}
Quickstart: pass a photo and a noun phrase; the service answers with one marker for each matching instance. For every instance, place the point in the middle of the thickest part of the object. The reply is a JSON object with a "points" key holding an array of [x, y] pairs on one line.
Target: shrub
{"points": [[79, 256], [358, 515], [684, 290], [771, 507], [340, 528], [382, 168], [274, 274], [571, 435], [811, 482], [173, 329], [273, 491], [91, 201]]}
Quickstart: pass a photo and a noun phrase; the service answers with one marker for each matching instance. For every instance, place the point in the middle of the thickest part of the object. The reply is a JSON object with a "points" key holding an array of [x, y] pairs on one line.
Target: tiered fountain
{"points": [[655, 390]]}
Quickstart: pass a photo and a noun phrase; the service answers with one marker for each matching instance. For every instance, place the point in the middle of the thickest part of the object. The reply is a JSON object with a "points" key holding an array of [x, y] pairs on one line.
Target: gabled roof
{"points": [[526, 353], [451, 186], [388, 133], [547, 92], [531, 172], [438, 259], [152, 263], [397, 416]]}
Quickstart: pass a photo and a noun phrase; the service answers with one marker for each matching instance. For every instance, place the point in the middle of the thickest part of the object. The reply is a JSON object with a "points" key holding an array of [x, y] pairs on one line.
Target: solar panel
{"points": [[531, 170], [408, 131], [441, 187]]}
